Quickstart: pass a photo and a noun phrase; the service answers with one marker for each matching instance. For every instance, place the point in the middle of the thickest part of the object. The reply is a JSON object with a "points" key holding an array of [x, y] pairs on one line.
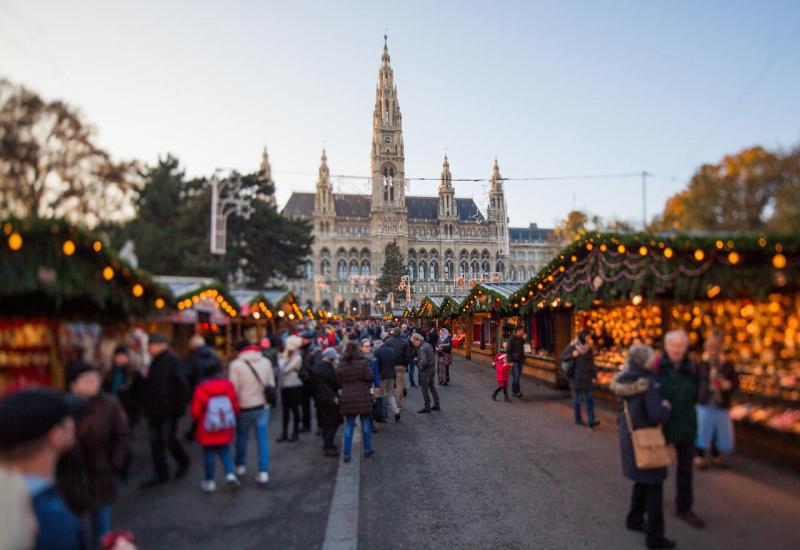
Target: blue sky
{"points": [[551, 88]]}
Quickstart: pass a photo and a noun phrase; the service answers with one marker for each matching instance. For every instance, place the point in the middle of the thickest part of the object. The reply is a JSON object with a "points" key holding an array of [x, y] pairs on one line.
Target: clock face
{"points": [[387, 139]]}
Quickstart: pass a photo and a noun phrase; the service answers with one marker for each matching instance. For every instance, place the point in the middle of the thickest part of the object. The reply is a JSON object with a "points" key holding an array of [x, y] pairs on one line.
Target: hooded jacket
{"points": [[640, 389]]}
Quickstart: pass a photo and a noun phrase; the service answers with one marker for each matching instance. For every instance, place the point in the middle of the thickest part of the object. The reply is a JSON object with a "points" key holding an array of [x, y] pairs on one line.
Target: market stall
{"points": [[634, 288], [202, 306], [449, 315], [63, 293], [486, 307]]}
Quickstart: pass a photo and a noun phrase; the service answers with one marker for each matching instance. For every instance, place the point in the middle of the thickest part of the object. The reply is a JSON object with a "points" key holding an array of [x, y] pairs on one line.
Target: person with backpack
{"points": [[291, 386], [214, 408], [582, 373], [254, 380], [501, 367]]}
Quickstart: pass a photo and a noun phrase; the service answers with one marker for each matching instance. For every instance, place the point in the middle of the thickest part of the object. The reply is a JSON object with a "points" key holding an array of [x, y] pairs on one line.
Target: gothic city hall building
{"points": [[446, 240]]}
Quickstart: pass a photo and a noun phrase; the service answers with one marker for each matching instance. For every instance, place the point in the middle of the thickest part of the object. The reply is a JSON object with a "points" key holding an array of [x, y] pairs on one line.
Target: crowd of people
{"points": [[68, 452], [64, 455]]}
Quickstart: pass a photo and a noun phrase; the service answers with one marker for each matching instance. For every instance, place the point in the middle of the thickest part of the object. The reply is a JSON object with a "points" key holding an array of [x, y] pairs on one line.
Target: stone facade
{"points": [[446, 240]]}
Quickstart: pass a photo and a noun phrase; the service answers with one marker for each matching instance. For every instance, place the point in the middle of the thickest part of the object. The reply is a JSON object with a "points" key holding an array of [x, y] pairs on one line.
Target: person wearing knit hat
{"points": [[324, 387], [37, 426]]}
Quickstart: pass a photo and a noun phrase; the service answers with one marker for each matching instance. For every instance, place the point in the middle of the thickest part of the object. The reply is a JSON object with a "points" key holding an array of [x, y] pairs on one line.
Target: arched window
{"points": [[474, 268], [412, 267], [433, 271], [354, 268], [325, 266], [341, 270], [421, 271], [309, 270], [512, 275], [500, 267], [464, 266], [485, 268], [388, 183], [365, 268], [448, 270], [485, 254], [365, 252]]}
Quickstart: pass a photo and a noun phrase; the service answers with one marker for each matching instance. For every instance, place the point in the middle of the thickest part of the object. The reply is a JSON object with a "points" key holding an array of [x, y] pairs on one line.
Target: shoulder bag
{"points": [[649, 446], [270, 393]]}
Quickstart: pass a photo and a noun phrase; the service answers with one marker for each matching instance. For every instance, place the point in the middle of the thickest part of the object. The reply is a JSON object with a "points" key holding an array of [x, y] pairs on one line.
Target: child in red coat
{"points": [[501, 367], [215, 408]]}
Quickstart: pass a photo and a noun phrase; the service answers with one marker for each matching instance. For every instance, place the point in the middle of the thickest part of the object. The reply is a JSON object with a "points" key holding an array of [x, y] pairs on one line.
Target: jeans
{"points": [[224, 454], [647, 499], [516, 373], [258, 419], [586, 395], [412, 365], [101, 524], [684, 497], [366, 432], [428, 385], [162, 437], [329, 437]]}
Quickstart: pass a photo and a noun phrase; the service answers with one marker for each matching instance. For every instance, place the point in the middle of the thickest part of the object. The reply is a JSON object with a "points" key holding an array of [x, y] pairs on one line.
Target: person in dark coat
{"points": [[402, 358], [88, 474], [355, 378], [637, 388], [385, 358], [516, 356], [324, 387], [200, 363], [680, 386], [583, 375], [311, 352], [166, 396], [125, 383]]}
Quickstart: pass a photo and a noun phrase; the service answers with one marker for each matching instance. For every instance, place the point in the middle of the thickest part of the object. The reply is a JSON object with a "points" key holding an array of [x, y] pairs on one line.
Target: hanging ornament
{"points": [[597, 282]]}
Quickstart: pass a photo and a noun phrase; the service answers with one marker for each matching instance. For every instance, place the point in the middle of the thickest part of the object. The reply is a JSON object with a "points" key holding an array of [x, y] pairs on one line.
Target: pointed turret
{"points": [[497, 211], [265, 170], [323, 201]]}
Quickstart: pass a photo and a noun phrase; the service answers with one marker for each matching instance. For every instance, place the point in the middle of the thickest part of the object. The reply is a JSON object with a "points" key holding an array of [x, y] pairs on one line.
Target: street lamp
{"points": [[221, 208]]}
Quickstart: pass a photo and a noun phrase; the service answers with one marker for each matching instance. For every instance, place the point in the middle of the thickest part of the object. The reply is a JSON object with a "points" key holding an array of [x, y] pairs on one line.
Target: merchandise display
{"points": [[27, 351]]}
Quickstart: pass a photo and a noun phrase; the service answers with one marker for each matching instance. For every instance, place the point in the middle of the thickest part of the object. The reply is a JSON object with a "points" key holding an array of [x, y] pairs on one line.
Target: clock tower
{"points": [[387, 162]]}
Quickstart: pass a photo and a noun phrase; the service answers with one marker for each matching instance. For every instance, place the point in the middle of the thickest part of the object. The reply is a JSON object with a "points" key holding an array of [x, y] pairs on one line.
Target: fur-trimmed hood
{"points": [[628, 384]]}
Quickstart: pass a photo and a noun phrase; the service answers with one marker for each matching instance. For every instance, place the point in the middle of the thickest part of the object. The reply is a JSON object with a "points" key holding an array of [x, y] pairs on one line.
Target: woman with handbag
{"points": [[254, 381], [644, 453]]}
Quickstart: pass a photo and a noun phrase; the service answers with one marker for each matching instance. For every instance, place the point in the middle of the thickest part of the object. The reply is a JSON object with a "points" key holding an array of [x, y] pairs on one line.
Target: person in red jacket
{"points": [[215, 408], [501, 366]]}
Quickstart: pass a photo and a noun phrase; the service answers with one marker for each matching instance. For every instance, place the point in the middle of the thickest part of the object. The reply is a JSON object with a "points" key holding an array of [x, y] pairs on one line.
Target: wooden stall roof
{"points": [[190, 292]]}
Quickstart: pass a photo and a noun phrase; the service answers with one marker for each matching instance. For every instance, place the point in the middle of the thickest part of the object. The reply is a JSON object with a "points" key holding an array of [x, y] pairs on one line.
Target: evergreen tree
{"points": [[394, 267]]}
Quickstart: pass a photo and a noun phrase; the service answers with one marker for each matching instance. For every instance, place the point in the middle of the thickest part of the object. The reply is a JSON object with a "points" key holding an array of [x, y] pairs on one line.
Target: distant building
{"points": [[446, 240]]}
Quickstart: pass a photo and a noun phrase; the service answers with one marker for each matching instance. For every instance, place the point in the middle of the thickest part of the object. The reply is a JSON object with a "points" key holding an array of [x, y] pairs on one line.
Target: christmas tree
{"points": [[394, 267]]}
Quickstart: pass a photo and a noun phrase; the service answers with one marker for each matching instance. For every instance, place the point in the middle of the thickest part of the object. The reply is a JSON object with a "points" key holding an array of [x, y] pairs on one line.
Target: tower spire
{"points": [[324, 173], [497, 179], [265, 170]]}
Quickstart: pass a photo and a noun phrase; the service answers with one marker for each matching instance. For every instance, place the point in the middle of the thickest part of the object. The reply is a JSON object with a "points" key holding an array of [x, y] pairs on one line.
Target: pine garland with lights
{"points": [[609, 267], [52, 268]]}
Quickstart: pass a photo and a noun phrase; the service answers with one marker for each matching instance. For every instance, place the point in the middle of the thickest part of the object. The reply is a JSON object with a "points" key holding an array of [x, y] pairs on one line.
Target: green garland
{"points": [[694, 266], [51, 268]]}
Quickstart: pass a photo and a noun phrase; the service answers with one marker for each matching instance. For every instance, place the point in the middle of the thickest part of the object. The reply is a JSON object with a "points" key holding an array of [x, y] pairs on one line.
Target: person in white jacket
{"points": [[250, 373], [291, 386]]}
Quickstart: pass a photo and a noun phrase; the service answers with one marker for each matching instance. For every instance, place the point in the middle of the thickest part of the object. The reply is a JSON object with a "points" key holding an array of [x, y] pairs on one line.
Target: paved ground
{"points": [[291, 513], [484, 474], [480, 474]]}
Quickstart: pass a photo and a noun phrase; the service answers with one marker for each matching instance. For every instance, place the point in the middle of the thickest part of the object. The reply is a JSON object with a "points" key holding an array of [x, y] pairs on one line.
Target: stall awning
{"points": [[201, 294]]}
